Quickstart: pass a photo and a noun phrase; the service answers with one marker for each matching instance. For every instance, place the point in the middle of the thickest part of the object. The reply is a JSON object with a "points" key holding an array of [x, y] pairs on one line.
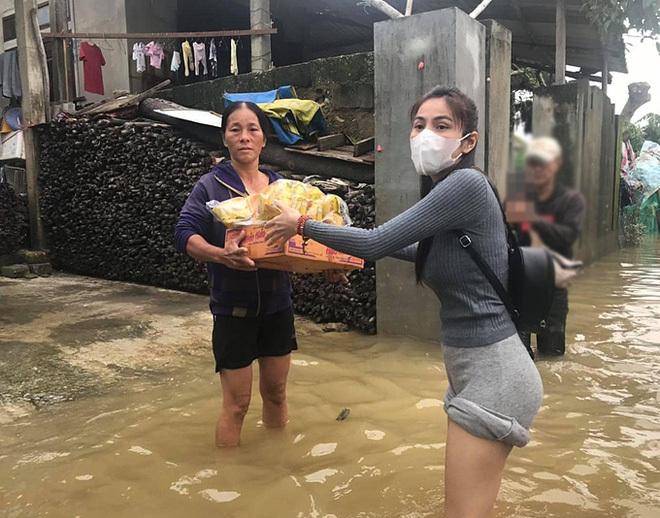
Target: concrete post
{"points": [[560, 43], [35, 102], [412, 55], [497, 137], [62, 66], [260, 19]]}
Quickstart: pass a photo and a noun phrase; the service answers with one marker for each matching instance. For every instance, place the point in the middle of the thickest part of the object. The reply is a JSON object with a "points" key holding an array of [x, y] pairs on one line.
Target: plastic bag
{"points": [[260, 208]]}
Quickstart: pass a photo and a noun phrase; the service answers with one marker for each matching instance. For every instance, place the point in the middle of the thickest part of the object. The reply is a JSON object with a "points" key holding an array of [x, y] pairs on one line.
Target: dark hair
{"points": [[467, 116], [263, 120]]}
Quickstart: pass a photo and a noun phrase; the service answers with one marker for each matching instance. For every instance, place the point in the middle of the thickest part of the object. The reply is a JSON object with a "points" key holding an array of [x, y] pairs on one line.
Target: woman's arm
{"points": [[194, 223], [453, 204]]}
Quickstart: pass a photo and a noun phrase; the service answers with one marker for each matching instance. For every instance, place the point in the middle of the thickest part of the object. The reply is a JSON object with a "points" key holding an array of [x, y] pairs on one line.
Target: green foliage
{"points": [[636, 137], [621, 16], [652, 128]]}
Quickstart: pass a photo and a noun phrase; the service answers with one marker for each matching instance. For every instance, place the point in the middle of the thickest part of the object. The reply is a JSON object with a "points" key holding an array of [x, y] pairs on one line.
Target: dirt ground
{"points": [[66, 337]]}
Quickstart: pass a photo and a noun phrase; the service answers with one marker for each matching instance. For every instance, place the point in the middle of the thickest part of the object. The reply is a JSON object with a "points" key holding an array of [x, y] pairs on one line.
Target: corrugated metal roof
{"points": [[532, 23]]}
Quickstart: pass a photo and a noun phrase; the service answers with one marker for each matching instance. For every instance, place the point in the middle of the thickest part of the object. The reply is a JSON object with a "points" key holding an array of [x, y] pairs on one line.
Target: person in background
{"points": [[628, 158], [554, 218]]}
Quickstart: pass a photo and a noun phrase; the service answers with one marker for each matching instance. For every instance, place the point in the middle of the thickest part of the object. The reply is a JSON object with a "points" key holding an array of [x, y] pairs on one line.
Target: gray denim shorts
{"points": [[495, 391]]}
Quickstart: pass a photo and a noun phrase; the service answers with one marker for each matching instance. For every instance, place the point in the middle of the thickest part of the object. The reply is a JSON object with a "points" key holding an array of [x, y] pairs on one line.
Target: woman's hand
{"points": [[283, 227], [235, 256]]}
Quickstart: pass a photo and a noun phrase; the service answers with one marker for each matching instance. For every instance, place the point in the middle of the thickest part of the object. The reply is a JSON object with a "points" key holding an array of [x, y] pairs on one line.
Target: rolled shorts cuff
{"points": [[485, 423]]}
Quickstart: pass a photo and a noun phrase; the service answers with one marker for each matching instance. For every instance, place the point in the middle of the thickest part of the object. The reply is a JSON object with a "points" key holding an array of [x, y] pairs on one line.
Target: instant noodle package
{"points": [[250, 213]]}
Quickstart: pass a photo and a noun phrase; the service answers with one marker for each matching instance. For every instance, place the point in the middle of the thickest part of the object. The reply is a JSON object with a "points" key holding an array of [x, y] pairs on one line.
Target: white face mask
{"points": [[432, 153]]}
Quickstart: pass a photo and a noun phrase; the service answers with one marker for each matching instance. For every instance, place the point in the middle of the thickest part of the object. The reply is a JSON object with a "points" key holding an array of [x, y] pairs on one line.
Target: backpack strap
{"points": [[501, 291]]}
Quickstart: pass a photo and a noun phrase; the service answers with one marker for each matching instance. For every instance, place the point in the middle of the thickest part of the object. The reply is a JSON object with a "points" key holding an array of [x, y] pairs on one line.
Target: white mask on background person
{"points": [[432, 153]]}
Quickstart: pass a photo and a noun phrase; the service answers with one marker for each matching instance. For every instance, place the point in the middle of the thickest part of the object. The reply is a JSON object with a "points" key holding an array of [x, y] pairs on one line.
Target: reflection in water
{"points": [[595, 450]]}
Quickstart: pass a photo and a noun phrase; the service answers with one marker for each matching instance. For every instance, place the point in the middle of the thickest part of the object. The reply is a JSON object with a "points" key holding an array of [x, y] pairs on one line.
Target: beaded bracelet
{"points": [[300, 228]]}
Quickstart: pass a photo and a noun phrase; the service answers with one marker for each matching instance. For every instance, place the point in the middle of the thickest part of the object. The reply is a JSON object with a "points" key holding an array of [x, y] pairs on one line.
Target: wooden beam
{"points": [[34, 104], [122, 102], [560, 43], [156, 35], [480, 9], [384, 8]]}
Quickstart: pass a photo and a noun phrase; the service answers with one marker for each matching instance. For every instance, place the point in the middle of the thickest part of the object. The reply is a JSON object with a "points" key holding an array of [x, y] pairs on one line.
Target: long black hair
{"points": [[466, 116], [261, 116]]}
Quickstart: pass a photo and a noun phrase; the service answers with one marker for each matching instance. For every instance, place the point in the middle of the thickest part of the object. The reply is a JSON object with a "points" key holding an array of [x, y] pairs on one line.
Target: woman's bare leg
{"points": [[273, 372], [236, 394], [473, 473]]}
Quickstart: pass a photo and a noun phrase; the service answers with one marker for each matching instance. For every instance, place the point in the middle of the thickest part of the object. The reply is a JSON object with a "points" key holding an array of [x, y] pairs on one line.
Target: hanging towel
{"points": [[176, 61], [234, 58]]}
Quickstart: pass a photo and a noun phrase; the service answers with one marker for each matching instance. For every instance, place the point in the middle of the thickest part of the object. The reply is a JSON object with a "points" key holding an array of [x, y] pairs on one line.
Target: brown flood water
{"points": [[595, 449]]}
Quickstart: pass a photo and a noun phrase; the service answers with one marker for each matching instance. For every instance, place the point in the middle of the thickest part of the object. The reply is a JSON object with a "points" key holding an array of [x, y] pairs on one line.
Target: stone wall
{"points": [[343, 84]]}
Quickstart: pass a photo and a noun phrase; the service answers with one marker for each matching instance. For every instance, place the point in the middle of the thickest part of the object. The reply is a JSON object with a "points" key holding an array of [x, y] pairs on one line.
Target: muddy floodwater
{"points": [[109, 402]]}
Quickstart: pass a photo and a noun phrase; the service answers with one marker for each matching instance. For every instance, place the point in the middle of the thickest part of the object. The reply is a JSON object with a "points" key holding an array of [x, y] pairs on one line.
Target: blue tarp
{"points": [[318, 123], [283, 92]]}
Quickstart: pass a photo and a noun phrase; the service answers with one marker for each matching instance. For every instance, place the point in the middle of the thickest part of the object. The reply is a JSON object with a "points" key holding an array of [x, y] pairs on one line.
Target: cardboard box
{"points": [[293, 256]]}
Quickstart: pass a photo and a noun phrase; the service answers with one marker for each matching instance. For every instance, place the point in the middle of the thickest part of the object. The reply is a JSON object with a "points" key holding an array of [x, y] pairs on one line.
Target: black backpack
{"points": [[531, 279]]}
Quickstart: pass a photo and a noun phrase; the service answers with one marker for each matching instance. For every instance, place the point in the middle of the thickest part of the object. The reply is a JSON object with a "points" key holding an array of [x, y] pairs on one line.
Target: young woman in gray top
{"points": [[494, 388]]}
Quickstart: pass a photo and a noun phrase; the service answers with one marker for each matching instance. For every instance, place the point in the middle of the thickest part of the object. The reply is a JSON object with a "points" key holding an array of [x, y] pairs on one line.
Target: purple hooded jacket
{"points": [[233, 292]]}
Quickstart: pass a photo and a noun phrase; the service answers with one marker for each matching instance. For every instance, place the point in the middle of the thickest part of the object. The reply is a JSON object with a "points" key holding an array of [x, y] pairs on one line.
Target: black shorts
{"points": [[237, 341]]}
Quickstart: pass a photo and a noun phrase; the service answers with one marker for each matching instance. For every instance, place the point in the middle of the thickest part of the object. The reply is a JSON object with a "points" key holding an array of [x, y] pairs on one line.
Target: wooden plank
{"points": [[118, 104], [304, 145], [338, 154], [364, 146], [560, 44], [331, 141], [156, 35]]}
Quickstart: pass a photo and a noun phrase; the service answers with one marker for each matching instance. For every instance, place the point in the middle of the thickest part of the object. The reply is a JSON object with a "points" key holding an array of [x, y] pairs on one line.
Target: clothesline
{"points": [[156, 35]]}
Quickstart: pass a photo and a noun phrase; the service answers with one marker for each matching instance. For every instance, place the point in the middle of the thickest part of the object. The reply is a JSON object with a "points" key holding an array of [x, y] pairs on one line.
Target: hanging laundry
{"points": [[176, 61], [155, 52], [213, 58], [93, 60], [200, 57], [10, 76], [188, 62], [234, 58], [138, 57]]}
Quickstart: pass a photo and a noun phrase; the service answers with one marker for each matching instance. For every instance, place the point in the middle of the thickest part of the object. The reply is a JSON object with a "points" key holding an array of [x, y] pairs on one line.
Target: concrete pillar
{"points": [[497, 137], [560, 43], [582, 119], [260, 19], [411, 56]]}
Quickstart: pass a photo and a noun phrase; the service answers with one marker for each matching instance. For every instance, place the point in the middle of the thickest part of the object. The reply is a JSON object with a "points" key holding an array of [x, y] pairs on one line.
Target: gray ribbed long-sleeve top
{"points": [[471, 312]]}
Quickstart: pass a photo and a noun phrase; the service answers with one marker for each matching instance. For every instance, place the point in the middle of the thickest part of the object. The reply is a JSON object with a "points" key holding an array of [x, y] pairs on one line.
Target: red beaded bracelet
{"points": [[300, 228]]}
